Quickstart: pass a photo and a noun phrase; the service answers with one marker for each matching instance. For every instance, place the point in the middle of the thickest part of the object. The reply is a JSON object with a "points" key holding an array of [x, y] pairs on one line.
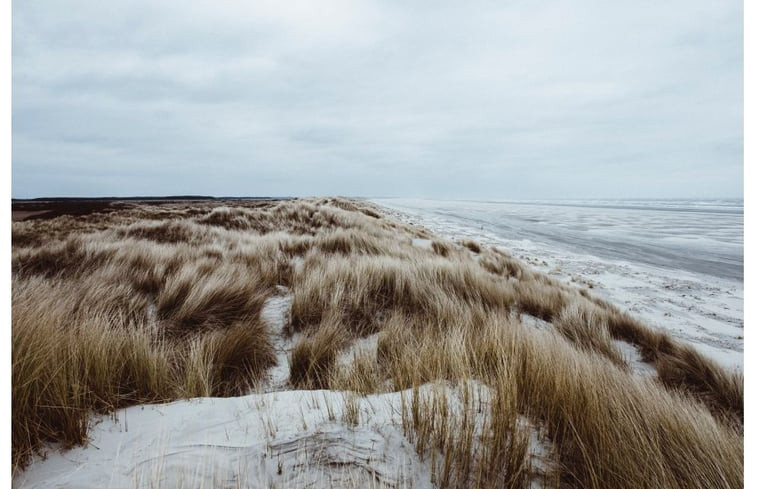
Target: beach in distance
{"points": [[677, 263]]}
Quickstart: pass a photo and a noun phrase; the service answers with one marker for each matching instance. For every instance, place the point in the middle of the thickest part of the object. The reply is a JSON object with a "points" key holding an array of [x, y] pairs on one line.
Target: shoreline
{"points": [[706, 311]]}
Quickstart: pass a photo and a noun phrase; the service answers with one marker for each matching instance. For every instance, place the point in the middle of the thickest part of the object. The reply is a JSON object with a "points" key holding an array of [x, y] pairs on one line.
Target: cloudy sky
{"points": [[492, 100]]}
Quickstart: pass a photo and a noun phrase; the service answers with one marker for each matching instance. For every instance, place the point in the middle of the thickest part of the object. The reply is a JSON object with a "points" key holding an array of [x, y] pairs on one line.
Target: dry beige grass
{"points": [[156, 302], [587, 328], [313, 358]]}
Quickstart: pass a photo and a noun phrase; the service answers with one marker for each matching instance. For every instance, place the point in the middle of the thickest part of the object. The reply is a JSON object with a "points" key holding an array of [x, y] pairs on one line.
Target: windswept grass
{"points": [[68, 362], [313, 358], [587, 328], [609, 429], [149, 303], [364, 289]]}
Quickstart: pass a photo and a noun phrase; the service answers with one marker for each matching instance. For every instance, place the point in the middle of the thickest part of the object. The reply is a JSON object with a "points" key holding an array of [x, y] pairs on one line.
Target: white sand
{"points": [[276, 439]]}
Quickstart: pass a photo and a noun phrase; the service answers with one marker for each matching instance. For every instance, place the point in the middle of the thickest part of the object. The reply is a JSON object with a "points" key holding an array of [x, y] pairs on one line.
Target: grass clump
{"points": [[472, 246], [313, 358], [588, 330]]}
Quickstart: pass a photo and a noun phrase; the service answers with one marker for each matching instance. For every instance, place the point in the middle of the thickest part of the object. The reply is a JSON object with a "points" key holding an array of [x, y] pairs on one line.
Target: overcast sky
{"points": [[492, 100]]}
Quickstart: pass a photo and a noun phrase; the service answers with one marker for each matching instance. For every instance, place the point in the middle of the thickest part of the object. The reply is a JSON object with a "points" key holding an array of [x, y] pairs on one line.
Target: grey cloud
{"points": [[485, 100]]}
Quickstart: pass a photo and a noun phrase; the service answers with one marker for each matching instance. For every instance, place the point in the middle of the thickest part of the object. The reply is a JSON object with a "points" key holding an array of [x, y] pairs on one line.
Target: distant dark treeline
{"points": [[51, 207], [143, 198]]}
